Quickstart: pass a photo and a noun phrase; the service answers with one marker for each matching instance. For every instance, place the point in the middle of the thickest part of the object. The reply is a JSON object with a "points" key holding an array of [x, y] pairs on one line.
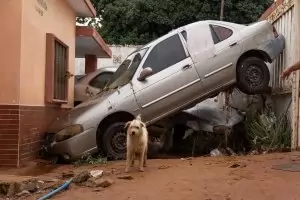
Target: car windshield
{"points": [[127, 69]]}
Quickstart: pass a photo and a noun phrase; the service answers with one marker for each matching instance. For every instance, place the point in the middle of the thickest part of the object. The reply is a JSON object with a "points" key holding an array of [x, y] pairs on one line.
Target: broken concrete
{"points": [[81, 177]]}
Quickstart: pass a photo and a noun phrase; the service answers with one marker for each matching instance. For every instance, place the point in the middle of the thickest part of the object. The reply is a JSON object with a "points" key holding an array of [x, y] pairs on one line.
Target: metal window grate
{"points": [[60, 72]]}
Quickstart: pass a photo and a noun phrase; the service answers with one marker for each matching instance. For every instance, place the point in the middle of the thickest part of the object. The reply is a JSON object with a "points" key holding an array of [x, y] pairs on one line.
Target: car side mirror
{"points": [[145, 73]]}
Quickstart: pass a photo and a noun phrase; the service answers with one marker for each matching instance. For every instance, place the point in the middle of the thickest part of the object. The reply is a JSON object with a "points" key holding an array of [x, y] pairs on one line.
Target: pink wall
{"points": [[10, 42], [23, 48], [58, 19]]}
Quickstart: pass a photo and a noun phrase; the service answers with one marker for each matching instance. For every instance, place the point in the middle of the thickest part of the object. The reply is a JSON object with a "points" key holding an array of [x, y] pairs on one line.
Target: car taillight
{"points": [[275, 32]]}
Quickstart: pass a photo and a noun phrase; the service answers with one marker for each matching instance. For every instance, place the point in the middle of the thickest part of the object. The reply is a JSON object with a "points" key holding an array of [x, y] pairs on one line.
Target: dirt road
{"points": [[222, 178]]}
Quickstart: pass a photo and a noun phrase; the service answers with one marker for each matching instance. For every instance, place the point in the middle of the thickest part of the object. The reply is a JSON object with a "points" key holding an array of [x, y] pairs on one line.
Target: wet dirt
{"points": [[210, 178]]}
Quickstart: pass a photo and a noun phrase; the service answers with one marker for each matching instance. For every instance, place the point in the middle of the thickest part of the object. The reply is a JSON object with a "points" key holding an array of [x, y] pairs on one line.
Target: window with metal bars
{"points": [[57, 74], [60, 71]]}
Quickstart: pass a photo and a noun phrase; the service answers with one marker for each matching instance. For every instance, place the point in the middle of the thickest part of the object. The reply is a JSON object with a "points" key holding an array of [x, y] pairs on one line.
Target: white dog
{"points": [[137, 143]]}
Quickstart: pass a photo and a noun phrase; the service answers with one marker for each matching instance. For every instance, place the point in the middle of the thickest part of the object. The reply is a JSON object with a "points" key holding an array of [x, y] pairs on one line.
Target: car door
{"points": [[174, 80], [226, 51]]}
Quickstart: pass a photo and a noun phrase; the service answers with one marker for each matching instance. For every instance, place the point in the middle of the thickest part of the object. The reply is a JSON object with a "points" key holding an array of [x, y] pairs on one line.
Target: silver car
{"points": [[92, 83], [167, 75]]}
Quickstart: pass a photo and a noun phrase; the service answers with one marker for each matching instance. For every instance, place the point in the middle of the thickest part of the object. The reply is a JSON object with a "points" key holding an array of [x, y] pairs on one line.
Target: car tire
{"points": [[253, 76], [114, 141]]}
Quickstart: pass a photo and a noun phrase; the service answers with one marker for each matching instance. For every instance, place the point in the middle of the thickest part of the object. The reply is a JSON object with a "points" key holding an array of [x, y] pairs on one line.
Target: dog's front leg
{"points": [[142, 159], [132, 159], [128, 160], [145, 157]]}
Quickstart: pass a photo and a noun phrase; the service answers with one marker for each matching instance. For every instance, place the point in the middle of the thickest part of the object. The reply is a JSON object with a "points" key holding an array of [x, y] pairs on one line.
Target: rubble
{"points": [[102, 182], [14, 187], [164, 167], [81, 177], [67, 175], [125, 177], [96, 173]]}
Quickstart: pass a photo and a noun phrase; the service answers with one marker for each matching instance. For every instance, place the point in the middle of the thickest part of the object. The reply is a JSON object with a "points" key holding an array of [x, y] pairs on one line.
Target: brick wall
{"points": [[9, 134], [21, 131]]}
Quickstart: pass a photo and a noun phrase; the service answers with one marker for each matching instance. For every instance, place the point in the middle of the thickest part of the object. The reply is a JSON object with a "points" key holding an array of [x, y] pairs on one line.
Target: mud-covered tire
{"points": [[114, 141], [253, 76]]}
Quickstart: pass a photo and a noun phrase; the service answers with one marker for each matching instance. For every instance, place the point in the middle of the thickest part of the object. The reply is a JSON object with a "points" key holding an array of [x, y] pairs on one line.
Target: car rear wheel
{"points": [[253, 76], [114, 141]]}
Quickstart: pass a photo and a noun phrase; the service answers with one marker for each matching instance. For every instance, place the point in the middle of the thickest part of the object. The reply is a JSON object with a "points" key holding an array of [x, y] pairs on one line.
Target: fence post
{"points": [[296, 136]]}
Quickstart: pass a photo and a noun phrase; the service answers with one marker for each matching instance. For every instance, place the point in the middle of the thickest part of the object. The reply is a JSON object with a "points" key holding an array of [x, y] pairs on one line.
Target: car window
{"points": [[165, 54], [100, 80], [220, 33]]}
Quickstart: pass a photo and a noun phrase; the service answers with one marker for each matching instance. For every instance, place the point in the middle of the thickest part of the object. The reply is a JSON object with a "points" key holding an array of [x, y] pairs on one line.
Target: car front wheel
{"points": [[114, 141], [253, 76]]}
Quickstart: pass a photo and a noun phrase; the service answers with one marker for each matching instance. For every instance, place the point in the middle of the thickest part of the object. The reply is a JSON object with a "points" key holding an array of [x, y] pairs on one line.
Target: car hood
{"points": [[73, 116], [211, 114]]}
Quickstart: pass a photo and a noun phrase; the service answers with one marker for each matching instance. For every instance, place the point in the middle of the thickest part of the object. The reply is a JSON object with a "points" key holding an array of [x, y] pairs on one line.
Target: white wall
{"points": [[119, 53]]}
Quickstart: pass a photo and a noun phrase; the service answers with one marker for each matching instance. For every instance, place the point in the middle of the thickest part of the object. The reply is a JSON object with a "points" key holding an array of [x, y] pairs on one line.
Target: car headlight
{"points": [[68, 132]]}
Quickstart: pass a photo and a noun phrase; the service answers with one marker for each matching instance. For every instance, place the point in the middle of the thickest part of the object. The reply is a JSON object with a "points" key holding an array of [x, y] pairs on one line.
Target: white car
{"points": [[166, 76], [92, 83]]}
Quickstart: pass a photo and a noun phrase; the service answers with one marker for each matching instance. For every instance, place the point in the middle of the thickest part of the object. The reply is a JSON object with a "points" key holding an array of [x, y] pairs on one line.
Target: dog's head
{"points": [[135, 127]]}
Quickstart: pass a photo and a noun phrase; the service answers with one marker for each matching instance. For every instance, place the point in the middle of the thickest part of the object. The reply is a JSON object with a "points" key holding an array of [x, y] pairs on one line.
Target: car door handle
{"points": [[186, 67], [233, 44]]}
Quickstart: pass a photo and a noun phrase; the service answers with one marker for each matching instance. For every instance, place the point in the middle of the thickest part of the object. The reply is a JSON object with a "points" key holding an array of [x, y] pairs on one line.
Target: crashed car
{"points": [[92, 83], [168, 75]]}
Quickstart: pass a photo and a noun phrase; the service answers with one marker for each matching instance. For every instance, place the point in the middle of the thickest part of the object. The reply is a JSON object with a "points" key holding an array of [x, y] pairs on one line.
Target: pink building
{"points": [[39, 42]]}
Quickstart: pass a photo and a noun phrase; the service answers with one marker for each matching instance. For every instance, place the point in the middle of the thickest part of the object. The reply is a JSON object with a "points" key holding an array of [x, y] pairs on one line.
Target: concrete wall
{"points": [[10, 42], [119, 53], [58, 19]]}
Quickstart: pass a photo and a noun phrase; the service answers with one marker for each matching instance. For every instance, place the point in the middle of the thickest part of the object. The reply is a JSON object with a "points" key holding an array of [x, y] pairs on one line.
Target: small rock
{"points": [[96, 173], [29, 186], [254, 152], [216, 152], [53, 185], [52, 180], [67, 175], [90, 183], [104, 183], [164, 167], [188, 158], [125, 177], [236, 165], [81, 177], [23, 193], [13, 189], [97, 190]]}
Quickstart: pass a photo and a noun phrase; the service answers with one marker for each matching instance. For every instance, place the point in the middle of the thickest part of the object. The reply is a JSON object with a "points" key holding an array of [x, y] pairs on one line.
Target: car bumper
{"points": [[274, 47], [75, 147]]}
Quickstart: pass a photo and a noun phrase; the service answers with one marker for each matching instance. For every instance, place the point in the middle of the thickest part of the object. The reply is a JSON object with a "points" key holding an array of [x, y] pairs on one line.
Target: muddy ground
{"points": [[207, 178]]}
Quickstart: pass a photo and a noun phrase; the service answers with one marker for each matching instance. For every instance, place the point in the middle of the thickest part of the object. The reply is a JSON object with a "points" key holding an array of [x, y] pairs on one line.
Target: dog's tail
{"points": [[138, 117]]}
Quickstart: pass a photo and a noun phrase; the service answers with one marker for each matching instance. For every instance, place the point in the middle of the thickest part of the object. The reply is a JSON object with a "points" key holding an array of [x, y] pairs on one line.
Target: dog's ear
{"points": [[142, 125], [127, 124]]}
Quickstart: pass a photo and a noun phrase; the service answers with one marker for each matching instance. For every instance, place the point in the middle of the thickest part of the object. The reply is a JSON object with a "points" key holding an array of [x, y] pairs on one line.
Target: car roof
{"points": [[88, 76], [234, 25]]}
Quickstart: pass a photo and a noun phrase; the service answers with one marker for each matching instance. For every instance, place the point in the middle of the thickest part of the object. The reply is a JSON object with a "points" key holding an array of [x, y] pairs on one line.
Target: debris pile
{"points": [[17, 188]]}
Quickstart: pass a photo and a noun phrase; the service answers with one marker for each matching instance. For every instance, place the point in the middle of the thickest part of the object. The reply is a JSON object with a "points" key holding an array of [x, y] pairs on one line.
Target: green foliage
{"points": [[269, 133], [92, 160], [140, 21]]}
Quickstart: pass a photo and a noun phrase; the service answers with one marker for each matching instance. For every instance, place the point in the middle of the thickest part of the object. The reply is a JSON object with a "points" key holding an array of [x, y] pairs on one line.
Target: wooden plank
{"points": [[280, 10], [295, 90]]}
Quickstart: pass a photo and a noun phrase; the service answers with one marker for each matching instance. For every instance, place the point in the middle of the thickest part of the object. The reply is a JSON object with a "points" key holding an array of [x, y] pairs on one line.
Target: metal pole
{"points": [[222, 10]]}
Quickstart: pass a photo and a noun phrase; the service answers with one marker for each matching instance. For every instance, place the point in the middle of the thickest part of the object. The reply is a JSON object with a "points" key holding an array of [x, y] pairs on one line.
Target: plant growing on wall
{"points": [[268, 132]]}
